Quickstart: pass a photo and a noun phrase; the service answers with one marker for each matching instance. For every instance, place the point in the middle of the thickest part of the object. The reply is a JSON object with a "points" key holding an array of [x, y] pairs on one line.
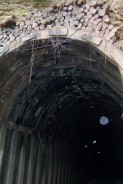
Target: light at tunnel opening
{"points": [[122, 116], [85, 146], [104, 120], [94, 142]]}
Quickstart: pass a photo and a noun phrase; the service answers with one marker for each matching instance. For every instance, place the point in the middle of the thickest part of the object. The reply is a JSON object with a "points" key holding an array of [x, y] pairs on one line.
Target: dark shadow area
{"points": [[65, 127], [84, 115]]}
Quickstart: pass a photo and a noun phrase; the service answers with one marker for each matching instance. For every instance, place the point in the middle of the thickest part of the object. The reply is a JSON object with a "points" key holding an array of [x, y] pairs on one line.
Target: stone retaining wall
{"points": [[91, 16]]}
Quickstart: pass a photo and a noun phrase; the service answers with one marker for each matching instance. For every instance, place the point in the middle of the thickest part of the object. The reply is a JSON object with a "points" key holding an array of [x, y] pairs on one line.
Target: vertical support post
{"points": [[55, 174], [30, 166], [63, 165], [22, 162], [69, 168], [66, 164], [44, 163], [47, 164], [60, 164], [38, 170], [2, 144], [50, 164], [10, 169]]}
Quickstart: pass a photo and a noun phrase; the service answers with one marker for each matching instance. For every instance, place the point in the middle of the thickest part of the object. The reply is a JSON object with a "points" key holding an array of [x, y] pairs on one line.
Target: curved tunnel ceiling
{"points": [[63, 93], [61, 96]]}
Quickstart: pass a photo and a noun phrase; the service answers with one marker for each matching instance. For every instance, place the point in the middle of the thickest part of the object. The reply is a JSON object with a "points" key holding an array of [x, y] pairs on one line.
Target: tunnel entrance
{"points": [[62, 117]]}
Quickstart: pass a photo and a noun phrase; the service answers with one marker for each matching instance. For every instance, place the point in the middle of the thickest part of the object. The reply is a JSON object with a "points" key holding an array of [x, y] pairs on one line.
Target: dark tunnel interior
{"points": [[81, 114], [77, 116]]}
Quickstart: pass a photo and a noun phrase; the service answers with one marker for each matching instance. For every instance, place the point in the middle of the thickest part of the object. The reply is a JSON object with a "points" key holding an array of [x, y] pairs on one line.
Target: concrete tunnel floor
{"points": [[70, 110]]}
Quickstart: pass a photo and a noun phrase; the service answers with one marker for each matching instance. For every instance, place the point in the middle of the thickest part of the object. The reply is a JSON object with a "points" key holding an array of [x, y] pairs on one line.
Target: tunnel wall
{"points": [[27, 159]]}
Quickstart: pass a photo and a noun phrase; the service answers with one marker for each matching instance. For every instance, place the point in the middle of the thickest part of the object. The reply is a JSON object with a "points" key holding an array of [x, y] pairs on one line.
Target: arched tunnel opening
{"points": [[62, 122]]}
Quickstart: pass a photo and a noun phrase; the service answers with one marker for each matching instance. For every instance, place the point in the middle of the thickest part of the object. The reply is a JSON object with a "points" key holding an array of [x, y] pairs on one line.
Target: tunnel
{"points": [[61, 114]]}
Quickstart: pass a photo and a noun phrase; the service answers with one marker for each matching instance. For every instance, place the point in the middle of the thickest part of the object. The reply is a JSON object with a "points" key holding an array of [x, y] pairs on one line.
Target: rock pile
{"points": [[91, 16]]}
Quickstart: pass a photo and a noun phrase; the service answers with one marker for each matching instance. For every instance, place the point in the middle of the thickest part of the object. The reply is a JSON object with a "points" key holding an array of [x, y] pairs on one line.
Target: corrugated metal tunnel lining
{"points": [[52, 131]]}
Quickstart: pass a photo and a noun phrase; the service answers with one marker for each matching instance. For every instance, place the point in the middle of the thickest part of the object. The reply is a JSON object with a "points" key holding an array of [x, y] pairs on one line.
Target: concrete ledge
{"points": [[58, 31], [113, 54]]}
